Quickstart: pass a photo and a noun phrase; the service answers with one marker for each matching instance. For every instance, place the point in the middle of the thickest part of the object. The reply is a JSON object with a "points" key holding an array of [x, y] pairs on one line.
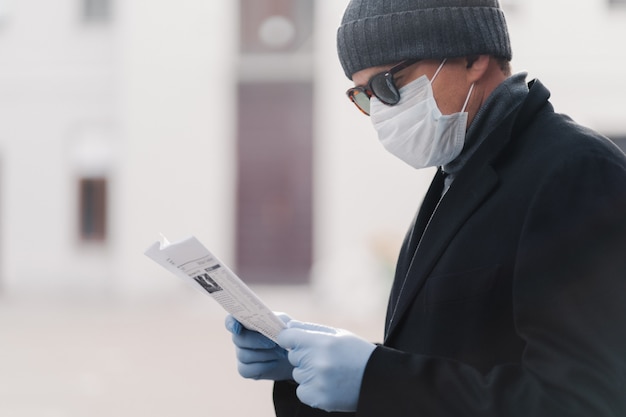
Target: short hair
{"points": [[503, 63]]}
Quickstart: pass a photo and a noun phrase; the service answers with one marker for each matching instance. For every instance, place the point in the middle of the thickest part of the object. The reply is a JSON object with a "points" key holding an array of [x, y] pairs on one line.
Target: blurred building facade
{"points": [[120, 120]]}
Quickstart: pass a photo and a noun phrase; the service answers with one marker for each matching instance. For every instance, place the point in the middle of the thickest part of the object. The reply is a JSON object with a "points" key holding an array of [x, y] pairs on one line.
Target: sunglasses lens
{"points": [[383, 88], [361, 99]]}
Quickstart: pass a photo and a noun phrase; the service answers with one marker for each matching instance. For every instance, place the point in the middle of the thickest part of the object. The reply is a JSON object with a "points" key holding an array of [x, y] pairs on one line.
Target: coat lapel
{"points": [[430, 202], [469, 190], [463, 198]]}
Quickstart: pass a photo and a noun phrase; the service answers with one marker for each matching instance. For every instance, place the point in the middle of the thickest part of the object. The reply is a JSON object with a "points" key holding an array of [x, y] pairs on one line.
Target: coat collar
{"points": [[469, 190]]}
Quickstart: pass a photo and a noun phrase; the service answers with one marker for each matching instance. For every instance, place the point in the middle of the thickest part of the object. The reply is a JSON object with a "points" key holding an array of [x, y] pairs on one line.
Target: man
{"points": [[509, 296]]}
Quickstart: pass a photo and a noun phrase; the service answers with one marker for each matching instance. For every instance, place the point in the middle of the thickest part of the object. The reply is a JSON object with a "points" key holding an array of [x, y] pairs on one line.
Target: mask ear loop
{"points": [[438, 69], [469, 94], [468, 97]]}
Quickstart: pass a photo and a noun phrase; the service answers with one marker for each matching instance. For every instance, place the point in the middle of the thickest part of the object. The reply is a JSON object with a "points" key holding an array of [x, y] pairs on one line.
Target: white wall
{"points": [[576, 49], [177, 110], [157, 89], [56, 78], [365, 198]]}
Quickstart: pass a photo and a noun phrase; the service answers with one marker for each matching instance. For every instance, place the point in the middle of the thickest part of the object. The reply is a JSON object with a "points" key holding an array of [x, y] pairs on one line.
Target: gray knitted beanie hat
{"points": [[383, 32]]}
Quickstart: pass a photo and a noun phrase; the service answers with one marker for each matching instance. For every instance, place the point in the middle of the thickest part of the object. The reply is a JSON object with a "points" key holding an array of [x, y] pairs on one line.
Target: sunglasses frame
{"points": [[387, 81]]}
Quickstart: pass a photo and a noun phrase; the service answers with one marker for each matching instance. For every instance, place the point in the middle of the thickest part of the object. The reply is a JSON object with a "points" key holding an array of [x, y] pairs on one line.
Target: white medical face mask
{"points": [[415, 131]]}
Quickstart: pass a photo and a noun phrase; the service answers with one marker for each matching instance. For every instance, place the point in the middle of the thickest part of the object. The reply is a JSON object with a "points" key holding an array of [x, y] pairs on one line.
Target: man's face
{"points": [[450, 87]]}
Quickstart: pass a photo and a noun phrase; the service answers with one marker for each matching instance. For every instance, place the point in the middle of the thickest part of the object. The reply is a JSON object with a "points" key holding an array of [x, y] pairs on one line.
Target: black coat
{"points": [[513, 301]]}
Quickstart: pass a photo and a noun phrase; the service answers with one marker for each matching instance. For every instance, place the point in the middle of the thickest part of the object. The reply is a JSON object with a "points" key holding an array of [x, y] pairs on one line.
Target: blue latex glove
{"points": [[328, 364], [257, 356]]}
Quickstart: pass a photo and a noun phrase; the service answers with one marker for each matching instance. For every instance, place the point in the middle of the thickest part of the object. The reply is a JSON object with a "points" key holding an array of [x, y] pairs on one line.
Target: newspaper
{"points": [[191, 261]]}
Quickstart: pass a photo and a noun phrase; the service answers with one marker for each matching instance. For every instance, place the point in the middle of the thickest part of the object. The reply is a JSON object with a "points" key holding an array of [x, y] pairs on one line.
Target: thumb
{"points": [[293, 338], [299, 334], [312, 327], [284, 317], [289, 338]]}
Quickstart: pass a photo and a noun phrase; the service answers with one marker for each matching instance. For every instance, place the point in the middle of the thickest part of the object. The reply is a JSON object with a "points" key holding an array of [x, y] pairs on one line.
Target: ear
{"points": [[477, 67]]}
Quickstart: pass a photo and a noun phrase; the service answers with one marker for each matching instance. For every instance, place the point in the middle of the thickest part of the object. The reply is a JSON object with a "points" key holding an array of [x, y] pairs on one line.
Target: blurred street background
{"points": [[168, 357], [227, 120]]}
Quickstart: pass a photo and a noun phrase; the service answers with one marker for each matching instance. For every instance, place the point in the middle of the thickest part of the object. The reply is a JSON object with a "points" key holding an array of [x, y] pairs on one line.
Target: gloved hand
{"points": [[328, 364], [257, 356]]}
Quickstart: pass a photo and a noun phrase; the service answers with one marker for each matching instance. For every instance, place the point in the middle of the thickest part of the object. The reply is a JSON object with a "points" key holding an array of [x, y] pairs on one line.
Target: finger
{"points": [[295, 357], [259, 355], [307, 394], [248, 339], [254, 370], [232, 325], [305, 373], [299, 375]]}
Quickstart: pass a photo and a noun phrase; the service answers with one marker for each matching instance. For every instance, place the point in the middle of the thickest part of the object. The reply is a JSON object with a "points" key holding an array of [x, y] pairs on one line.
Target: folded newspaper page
{"points": [[191, 261]]}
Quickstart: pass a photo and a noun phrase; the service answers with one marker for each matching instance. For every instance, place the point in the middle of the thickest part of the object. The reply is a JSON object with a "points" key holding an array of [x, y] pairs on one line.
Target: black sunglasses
{"points": [[381, 86]]}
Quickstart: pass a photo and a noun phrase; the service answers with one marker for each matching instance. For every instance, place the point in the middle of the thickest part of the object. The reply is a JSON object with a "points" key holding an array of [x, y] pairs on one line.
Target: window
{"points": [[269, 26], [96, 11], [92, 197]]}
